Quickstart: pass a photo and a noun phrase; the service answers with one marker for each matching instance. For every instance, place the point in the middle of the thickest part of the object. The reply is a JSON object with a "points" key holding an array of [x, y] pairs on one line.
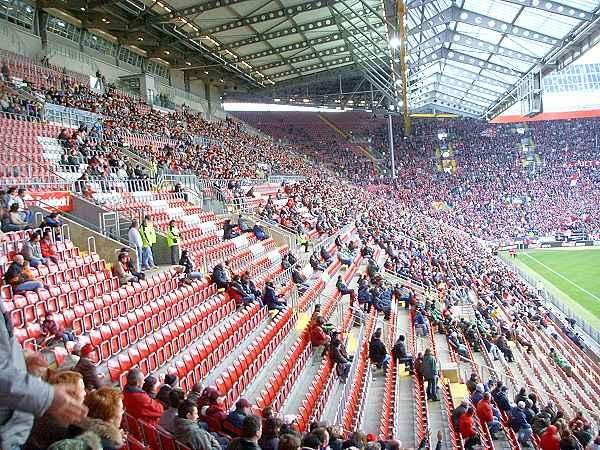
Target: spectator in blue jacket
{"points": [[502, 400], [243, 409], [270, 298]]}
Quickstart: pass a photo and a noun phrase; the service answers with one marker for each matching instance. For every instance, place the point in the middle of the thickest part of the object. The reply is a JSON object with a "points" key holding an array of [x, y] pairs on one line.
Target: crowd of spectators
{"points": [[15, 104], [493, 194]]}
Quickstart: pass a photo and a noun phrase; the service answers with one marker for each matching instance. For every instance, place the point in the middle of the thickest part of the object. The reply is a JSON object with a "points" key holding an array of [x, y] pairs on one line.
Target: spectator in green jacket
{"points": [[148, 240], [173, 239]]}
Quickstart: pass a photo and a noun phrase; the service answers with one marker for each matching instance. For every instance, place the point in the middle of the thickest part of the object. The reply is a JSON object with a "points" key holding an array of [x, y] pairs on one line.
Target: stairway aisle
{"points": [[375, 392], [404, 420], [298, 392], [333, 403], [255, 388], [437, 413]]}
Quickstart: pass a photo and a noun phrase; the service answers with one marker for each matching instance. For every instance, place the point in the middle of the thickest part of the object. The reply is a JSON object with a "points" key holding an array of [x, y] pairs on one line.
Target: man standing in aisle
{"points": [[430, 373]]}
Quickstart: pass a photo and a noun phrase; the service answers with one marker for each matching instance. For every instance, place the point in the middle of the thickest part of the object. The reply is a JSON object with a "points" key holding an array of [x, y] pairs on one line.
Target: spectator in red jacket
{"points": [[318, 337], [47, 247], [467, 429], [486, 415], [138, 403], [214, 414], [550, 439]]}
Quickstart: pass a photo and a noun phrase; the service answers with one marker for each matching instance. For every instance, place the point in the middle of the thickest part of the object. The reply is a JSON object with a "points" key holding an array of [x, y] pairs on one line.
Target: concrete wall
{"points": [[106, 248], [90, 213]]}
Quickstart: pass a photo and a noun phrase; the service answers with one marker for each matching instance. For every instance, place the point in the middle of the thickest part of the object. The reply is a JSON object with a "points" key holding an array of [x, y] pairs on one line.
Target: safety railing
{"points": [[69, 117], [419, 288], [286, 179], [269, 227], [108, 186], [283, 277], [22, 117]]}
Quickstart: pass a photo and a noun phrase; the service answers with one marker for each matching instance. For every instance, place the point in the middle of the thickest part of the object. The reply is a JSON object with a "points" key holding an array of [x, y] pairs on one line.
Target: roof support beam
{"points": [[412, 4], [450, 89], [453, 55], [475, 76], [456, 14], [74, 4], [266, 16], [557, 8], [198, 8], [462, 84], [438, 108], [306, 27], [307, 57], [315, 67], [458, 102], [463, 58], [368, 46], [294, 46], [459, 85]]}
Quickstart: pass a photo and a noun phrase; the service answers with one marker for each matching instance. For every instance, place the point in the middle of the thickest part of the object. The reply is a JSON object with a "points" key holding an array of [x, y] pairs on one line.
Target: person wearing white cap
{"points": [[518, 422]]}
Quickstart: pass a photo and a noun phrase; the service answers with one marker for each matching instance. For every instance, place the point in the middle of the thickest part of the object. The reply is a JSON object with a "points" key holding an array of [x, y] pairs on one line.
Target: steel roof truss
{"points": [[261, 37], [323, 65], [198, 8], [463, 58], [307, 57], [281, 13], [557, 8]]}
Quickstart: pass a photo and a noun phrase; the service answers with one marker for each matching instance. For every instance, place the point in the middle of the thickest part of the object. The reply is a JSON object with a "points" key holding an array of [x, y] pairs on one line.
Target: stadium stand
{"points": [[269, 343]]}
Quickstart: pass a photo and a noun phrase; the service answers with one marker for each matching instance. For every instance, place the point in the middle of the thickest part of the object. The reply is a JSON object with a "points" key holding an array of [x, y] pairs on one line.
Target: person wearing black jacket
{"points": [[316, 264], [188, 267], [228, 230], [299, 279], [401, 355], [326, 256], [340, 358], [377, 351], [219, 277], [270, 298]]}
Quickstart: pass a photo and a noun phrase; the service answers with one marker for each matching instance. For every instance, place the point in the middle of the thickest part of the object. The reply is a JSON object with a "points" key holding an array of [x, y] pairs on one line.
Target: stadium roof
{"points": [[463, 55]]}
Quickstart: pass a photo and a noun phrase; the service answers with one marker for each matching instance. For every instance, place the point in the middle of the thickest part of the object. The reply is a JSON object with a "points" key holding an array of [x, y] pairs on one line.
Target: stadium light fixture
{"points": [[395, 42]]}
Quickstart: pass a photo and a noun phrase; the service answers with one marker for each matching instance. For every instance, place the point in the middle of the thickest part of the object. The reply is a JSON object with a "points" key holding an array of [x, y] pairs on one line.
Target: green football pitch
{"points": [[572, 274]]}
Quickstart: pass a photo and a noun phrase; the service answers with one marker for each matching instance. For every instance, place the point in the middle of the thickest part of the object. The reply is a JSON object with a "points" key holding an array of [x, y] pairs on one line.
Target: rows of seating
{"points": [[208, 355], [287, 373], [149, 352], [26, 156], [553, 378], [196, 364], [25, 68]]}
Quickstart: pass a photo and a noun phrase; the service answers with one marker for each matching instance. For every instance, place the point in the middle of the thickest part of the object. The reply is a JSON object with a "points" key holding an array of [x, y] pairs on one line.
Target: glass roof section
{"points": [[487, 44]]}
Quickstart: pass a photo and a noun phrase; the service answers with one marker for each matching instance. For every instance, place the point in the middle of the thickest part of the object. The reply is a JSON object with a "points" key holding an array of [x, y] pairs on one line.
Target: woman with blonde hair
{"points": [[101, 429]]}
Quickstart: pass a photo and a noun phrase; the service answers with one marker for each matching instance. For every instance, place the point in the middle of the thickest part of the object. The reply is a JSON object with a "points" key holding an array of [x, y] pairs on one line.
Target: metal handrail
{"points": [[114, 186]]}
